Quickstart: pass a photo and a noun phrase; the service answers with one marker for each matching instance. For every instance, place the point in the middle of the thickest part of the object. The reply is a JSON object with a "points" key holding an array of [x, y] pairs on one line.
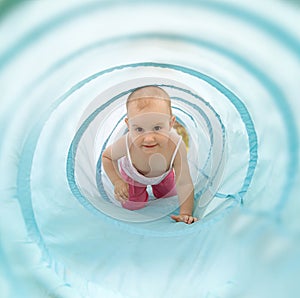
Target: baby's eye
{"points": [[139, 129], [157, 128]]}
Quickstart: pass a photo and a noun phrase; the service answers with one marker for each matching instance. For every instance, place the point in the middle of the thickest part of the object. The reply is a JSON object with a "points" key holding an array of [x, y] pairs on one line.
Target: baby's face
{"points": [[150, 127]]}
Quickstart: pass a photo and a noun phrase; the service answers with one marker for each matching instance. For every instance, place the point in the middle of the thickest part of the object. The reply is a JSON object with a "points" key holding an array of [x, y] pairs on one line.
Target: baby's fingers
{"points": [[191, 219], [121, 198], [188, 219], [179, 218], [121, 195]]}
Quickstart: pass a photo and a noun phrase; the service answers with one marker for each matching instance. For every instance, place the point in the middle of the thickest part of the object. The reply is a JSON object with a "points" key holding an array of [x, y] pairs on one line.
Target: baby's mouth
{"points": [[149, 146]]}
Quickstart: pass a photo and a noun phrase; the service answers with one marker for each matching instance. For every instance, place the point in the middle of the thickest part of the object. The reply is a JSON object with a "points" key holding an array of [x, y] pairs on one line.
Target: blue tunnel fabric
{"points": [[232, 72]]}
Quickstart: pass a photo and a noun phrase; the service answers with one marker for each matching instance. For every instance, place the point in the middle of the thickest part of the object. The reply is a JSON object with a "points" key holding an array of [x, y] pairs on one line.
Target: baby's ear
{"points": [[172, 121], [126, 121]]}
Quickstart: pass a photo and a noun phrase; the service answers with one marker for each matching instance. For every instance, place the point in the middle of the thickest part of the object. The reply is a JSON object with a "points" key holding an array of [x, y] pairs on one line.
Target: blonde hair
{"points": [[181, 130], [143, 97]]}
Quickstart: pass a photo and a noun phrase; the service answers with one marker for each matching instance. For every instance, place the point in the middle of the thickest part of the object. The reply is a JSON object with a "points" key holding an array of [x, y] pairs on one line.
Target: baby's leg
{"points": [[138, 195], [166, 188]]}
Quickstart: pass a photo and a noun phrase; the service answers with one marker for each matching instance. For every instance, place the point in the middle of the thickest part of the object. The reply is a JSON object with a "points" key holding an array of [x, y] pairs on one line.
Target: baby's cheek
{"points": [[135, 138], [163, 138]]}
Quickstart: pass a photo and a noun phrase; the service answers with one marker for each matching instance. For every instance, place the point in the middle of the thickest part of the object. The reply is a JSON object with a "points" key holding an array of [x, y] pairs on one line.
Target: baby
{"points": [[151, 153]]}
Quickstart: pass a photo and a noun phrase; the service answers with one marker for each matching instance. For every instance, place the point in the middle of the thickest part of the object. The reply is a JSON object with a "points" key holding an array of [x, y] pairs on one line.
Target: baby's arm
{"points": [[184, 187], [110, 158]]}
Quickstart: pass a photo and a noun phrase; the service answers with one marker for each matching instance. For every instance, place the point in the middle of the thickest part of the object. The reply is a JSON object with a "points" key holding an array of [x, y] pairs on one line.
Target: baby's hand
{"points": [[188, 219], [121, 191]]}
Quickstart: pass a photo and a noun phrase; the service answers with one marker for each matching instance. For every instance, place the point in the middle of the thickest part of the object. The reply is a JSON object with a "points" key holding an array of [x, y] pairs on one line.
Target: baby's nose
{"points": [[149, 137]]}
